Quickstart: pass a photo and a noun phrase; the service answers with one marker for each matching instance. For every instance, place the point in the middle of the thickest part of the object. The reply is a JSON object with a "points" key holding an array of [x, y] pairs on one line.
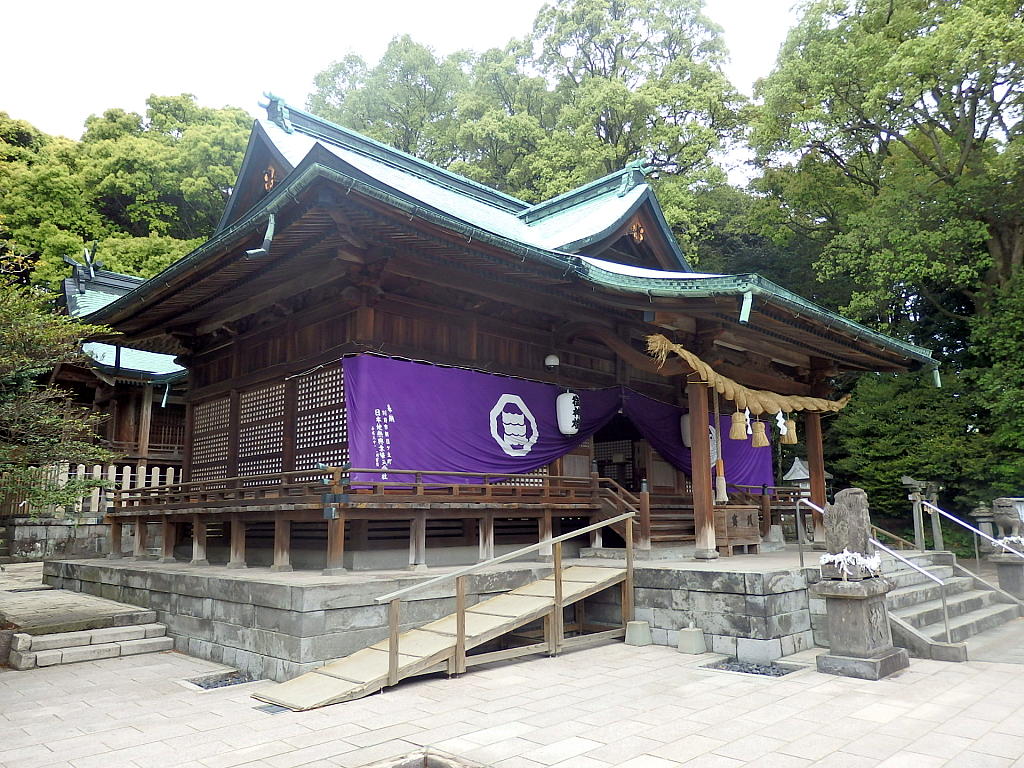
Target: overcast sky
{"points": [[65, 60]]}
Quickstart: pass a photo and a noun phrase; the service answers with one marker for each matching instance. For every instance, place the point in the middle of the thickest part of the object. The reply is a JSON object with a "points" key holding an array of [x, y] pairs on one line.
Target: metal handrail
{"points": [[923, 572], [801, 533], [974, 530], [501, 558]]}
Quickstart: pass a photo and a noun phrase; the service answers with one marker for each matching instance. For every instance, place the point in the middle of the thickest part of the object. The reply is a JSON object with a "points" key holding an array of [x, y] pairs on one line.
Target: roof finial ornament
{"points": [[277, 112], [633, 176]]}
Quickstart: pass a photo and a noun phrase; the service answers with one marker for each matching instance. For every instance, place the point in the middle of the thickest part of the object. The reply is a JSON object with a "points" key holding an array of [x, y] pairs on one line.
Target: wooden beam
{"points": [[237, 559], [282, 543], [199, 541], [116, 534], [141, 540], [700, 474], [169, 531], [335, 563], [145, 423]]}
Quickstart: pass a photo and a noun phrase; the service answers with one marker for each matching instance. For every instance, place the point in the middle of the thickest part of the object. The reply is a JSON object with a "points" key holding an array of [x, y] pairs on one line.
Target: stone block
{"points": [[723, 644], [816, 605], [723, 623], [784, 581], [277, 645], [49, 658], [789, 623], [786, 602], [753, 583], [22, 660], [161, 601], [717, 602], [646, 614], [304, 624], [118, 634], [758, 651], [715, 581], [189, 626], [138, 617], [231, 634], [200, 649], [188, 605], [21, 641], [666, 618], [242, 614], [873, 668], [60, 640], [801, 641], [154, 630], [91, 652], [180, 643], [756, 605], [660, 636], [653, 598], [660, 578], [638, 633]]}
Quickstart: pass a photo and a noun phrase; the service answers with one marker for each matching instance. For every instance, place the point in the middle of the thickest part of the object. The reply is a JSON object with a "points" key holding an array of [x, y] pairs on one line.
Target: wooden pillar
{"points": [[116, 532], [237, 559], [544, 534], [170, 538], [141, 539], [186, 450], [418, 542], [644, 521], [282, 544], [335, 563], [816, 467], [199, 541], [700, 474], [145, 423], [485, 528]]}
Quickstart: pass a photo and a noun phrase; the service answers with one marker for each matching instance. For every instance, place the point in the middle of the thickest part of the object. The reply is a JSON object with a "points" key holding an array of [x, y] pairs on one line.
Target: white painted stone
{"points": [[638, 633], [91, 652], [60, 640], [146, 645], [117, 634], [758, 651], [49, 658], [691, 640]]}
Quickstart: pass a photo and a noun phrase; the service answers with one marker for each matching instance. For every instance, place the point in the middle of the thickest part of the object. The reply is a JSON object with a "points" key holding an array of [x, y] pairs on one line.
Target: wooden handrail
{"points": [[903, 543]]}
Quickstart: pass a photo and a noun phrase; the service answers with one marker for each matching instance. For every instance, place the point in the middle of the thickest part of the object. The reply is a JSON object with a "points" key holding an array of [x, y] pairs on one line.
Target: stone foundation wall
{"points": [[38, 538], [272, 628], [758, 617]]}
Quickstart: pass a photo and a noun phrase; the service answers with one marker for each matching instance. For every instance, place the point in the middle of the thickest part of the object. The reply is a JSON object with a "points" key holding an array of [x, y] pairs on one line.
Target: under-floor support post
{"points": [[418, 542], [199, 541], [335, 563], [237, 559], [169, 532], [282, 544], [485, 529], [141, 539], [544, 534], [116, 538]]}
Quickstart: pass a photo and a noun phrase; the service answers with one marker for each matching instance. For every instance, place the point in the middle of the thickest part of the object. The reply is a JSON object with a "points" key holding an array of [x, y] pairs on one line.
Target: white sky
{"points": [[65, 60]]}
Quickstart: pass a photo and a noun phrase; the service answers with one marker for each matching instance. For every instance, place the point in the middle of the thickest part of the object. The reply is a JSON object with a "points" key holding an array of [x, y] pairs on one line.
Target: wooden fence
{"points": [[95, 503]]}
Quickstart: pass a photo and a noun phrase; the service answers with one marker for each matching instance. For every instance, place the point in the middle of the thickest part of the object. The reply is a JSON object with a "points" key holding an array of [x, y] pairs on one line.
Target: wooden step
{"points": [[430, 647]]}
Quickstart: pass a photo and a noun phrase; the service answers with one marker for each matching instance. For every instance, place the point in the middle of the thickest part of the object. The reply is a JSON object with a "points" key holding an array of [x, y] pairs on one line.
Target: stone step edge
{"points": [[971, 624], [25, 660], [81, 638], [954, 603]]}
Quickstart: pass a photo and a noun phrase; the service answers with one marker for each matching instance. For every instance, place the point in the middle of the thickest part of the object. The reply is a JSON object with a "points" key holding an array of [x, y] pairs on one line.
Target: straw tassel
{"points": [[760, 439], [721, 492], [738, 429], [790, 437]]}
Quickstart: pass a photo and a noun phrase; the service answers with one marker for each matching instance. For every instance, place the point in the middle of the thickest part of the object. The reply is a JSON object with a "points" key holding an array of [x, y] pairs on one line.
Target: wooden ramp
{"points": [[435, 646]]}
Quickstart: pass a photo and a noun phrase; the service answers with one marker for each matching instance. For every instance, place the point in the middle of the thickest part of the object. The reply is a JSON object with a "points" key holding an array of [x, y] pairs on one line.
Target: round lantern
{"points": [[567, 408]]}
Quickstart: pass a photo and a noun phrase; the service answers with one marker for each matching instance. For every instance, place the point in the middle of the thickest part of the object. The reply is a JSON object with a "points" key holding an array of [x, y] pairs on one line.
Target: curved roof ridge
{"points": [[621, 181]]}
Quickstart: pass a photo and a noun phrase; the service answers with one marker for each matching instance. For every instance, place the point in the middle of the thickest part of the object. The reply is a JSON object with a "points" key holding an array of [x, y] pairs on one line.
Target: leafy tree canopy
{"points": [[146, 188]]}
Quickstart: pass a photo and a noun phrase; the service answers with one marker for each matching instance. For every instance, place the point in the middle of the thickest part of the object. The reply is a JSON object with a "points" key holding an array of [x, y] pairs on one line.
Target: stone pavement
{"points": [[20, 577], [612, 705]]}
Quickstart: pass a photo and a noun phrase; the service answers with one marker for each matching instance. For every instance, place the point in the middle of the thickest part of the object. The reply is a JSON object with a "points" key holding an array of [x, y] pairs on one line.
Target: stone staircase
{"points": [[915, 606], [29, 651]]}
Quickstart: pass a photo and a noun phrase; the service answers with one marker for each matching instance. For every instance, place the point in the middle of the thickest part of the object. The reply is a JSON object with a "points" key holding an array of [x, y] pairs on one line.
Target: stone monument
{"points": [[860, 642], [1009, 566]]}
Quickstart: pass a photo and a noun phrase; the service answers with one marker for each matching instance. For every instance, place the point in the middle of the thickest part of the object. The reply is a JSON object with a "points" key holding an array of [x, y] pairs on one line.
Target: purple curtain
{"points": [[405, 415], [659, 423]]}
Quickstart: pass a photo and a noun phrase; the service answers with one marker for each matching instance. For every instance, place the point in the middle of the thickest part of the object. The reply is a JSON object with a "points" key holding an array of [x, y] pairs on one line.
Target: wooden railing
{"points": [[900, 542], [364, 485], [111, 480], [554, 629]]}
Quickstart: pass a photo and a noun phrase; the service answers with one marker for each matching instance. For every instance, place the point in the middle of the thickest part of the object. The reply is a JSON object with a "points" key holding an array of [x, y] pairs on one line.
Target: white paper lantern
{"points": [[567, 408]]}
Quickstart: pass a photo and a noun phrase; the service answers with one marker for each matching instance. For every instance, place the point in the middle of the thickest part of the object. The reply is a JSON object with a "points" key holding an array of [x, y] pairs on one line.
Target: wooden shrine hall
{"points": [[381, 353]]}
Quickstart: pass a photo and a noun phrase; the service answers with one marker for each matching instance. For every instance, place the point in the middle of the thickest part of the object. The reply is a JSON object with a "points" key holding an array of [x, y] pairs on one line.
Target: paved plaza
{"points": [[612, 705]]}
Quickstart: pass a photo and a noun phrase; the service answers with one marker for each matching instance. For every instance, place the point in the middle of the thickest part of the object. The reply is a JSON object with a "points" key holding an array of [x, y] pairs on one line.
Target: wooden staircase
{"points": [[442, 644]]}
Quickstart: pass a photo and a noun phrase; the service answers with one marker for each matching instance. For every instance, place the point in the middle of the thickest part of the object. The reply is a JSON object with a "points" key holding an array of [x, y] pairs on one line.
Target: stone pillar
{"points": [[982, 515], [860, 642], [1010, 571]]}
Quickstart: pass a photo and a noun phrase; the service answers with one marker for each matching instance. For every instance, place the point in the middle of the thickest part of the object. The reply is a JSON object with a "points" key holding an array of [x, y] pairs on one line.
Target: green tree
{"points": [[146, 188], [39, 424], [890, 139]]}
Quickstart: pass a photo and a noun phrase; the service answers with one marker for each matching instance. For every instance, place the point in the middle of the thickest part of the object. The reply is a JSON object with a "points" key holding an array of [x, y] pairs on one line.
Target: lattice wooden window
{"points": [[261, 430], [210, 422], [321, 431]]}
